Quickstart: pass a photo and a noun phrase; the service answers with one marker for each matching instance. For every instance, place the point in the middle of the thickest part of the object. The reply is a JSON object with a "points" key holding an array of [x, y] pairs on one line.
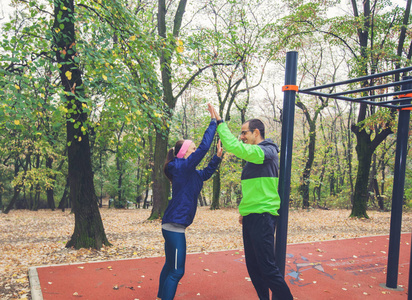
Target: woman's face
{"points": [[192, 148]]}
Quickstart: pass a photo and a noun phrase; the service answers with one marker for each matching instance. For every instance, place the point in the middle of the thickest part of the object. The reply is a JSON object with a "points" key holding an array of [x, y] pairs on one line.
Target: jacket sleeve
{"points": [[250, 153], [207, 172], [196, 157]]}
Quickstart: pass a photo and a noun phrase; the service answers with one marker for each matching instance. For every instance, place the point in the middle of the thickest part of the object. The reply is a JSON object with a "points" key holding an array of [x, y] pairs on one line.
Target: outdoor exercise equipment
{"points": [[401, 101]]}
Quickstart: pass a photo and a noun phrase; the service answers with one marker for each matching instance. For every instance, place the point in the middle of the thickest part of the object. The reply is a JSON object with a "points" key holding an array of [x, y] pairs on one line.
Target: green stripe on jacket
{"points": [[260, 195]]}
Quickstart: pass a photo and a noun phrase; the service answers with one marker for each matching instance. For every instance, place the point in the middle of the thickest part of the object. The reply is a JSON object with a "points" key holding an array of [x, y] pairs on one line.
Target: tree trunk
{"points": [[88, 228], [360, 197], [13, 200], [372, 179], [50, 192], [216, 190], [161, 185], [36, 201], [16, 189], [63, 201], [50, 199], [229, 194], [332, 181], [304, 186], [145, 204], [121, 203], [380, 199], [200, 199], [348, 155]]}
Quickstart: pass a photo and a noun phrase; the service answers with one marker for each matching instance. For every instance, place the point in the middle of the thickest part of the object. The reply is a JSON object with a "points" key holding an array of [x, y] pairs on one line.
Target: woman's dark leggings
{"points": [[174, 267]]}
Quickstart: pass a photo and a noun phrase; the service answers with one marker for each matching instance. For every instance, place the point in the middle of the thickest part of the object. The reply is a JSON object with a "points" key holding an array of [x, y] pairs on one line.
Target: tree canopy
{"points": [[147, 69]]}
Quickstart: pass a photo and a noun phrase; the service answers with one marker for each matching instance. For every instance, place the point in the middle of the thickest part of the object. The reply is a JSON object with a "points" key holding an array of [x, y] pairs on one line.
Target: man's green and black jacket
{"points": [[260, 174]]}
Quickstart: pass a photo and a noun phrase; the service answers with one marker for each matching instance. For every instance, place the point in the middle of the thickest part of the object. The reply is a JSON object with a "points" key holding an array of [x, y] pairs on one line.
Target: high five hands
{"points": [[215, 115], [213, 112]]}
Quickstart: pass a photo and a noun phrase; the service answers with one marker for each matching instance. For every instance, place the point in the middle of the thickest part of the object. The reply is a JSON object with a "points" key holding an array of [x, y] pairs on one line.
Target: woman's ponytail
{"points": [[171, 154]]}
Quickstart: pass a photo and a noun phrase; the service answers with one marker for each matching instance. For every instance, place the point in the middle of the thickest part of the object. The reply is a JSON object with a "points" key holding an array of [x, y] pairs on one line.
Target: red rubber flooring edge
{"points": [[341, 269]]}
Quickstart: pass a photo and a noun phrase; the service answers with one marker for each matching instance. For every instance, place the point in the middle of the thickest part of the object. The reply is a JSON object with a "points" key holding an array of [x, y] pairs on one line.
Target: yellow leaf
{"points": [[144, 96], [17, 87], [79, 139], [179, 49], [17, 122], [133, 38], [104, 77], [84, 105], [68, 75]]}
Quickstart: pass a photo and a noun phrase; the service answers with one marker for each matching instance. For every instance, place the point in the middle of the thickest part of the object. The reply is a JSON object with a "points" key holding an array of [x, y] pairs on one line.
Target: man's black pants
{"points": [[259, 244]]}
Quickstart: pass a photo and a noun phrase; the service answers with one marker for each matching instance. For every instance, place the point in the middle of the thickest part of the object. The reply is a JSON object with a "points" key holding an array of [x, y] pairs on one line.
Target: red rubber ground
{"points": [[342, 269]]}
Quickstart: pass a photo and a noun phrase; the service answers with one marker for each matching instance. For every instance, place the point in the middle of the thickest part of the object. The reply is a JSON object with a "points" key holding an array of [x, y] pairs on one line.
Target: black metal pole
{"points": [[397, 196], [286, 159], [410, 278]]}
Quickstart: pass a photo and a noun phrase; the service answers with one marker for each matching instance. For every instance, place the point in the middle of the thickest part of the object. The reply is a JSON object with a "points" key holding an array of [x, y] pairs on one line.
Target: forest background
{"points": [[93, 93]]}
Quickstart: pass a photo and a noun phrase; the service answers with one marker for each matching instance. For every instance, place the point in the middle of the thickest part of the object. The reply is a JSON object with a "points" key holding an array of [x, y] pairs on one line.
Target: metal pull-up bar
{"points": [[402, 102], [397, 195]]}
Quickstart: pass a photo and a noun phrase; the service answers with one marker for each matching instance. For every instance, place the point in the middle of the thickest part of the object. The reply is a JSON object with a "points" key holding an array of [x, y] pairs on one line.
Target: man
{"points": [[259, 206]]}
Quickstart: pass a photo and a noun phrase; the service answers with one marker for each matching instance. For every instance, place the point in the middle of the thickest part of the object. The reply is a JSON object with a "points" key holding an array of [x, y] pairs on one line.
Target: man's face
{"points": [[247, 136]]}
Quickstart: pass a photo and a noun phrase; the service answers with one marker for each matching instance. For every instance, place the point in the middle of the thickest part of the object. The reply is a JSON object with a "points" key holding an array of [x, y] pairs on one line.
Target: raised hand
{"points": [[211, 109], [216, 114], [219, 151]]}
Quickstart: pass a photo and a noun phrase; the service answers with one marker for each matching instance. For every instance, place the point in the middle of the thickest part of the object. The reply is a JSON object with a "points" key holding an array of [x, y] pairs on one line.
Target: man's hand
{"points": [[240, 220]]}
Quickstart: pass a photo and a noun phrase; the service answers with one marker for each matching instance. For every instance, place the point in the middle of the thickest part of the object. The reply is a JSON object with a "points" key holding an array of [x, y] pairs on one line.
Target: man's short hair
{"points": [[257, 124]]}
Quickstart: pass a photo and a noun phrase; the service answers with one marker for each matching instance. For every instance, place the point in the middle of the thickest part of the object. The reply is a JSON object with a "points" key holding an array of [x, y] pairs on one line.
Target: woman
{"points": [[180, 168]]}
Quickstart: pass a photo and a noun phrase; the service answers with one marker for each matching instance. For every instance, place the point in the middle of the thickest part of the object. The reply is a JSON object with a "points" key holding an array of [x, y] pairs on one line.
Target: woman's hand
{"points": [[216, 114], [219, 151], [211, 110]]}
